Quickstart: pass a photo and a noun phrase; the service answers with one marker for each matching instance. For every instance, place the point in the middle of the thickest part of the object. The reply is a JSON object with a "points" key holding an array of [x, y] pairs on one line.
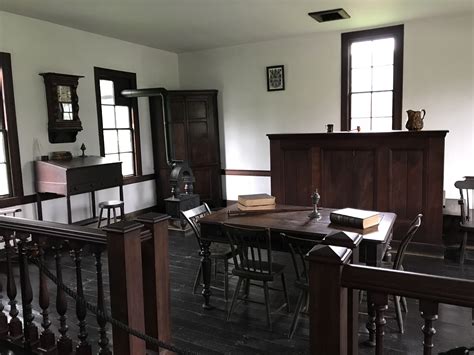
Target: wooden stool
{"points": [[110, 205]]}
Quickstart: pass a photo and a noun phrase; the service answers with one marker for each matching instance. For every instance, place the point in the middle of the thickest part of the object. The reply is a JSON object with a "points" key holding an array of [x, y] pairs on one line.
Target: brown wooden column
{"points": [[328, 302], [126, 284], [156, 277]]}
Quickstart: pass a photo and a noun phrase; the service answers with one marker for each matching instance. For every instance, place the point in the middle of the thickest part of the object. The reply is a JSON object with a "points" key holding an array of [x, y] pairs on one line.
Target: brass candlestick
{"points": [[315, 197]]}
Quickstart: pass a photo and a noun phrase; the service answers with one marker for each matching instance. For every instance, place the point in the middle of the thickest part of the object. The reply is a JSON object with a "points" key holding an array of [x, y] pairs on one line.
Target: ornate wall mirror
{"points": [[63, 107]]}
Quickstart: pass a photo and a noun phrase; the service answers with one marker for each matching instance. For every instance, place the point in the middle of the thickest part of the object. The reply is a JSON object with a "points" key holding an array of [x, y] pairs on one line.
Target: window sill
{"points": [[136, 179]]}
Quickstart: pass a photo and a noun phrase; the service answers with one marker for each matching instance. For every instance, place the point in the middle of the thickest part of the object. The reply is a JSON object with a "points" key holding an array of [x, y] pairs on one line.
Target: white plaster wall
{"points": [[438, 76], [38, 46]]}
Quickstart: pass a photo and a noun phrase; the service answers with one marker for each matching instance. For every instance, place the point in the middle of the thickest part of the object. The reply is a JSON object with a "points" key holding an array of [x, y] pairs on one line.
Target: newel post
{"points": [[126, 285], [328, 302], [156, 275]]}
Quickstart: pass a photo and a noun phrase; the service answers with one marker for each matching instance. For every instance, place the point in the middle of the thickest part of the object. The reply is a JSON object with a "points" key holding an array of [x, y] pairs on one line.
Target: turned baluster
{"points": [[83, 348], [429, 312], [3, 317], [47, 338], [371, 315], [64, 342], [30, 329], [381, 305], [15, 326], [103, 339]]}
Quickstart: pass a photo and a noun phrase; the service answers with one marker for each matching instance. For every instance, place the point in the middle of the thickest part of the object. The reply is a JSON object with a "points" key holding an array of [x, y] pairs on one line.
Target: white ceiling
{"points": [[189, 25]]}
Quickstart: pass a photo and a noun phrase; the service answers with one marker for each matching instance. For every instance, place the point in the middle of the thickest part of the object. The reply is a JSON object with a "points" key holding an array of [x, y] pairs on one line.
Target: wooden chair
{"points": [[249, 247], [398, 265], [109, 205], [299, 247], [219, 251], [466, 189]]}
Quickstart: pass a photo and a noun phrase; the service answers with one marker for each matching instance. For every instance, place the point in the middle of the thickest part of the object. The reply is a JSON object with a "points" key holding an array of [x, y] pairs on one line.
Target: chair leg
{"points": [[361, 296], [285, 292], [267, 304], [234, 298], [247, 288], [398, 312], [226, 279], [100, 217], [296, 316], [108, 216], [197, 280], [462, 249], [115, 215], [215, 269], [404, 305]]}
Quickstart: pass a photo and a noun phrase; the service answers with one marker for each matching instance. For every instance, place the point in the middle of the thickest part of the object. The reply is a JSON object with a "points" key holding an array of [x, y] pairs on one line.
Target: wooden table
{"points": [[372, 248], [76, 176]]}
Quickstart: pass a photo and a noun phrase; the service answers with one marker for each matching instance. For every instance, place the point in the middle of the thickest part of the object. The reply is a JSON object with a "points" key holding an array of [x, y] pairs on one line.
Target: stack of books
{"points": [[256, 202]]}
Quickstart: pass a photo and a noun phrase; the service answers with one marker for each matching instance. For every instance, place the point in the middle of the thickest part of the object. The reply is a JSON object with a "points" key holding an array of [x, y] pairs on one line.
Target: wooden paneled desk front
{"points": [[372, 249]]}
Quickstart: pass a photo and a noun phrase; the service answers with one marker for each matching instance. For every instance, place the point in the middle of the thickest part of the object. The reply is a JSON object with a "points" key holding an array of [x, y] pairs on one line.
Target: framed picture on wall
{"points": [[275, 78]]}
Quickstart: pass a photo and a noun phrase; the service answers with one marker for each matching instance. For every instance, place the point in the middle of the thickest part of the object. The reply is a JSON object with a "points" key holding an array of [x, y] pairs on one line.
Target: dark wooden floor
{"points": [[207, 332]]}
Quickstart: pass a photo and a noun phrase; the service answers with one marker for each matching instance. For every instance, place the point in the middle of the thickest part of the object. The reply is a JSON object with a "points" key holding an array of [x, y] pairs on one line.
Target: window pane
{"points": [[108, 116], [123, 116], [110, 141], [112, 157], [383, 51], [382, 78], [127, 164], [382, 104], [382, 124], [361, 80], [3, 180], [3, 158], [67, 116], [363, 123], [360, 105], [125, 140], [107, 92], [361, 54]]}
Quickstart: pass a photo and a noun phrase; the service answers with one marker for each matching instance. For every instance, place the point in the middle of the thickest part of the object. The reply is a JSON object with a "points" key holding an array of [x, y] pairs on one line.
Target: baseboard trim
{"points": [[235, 172]]}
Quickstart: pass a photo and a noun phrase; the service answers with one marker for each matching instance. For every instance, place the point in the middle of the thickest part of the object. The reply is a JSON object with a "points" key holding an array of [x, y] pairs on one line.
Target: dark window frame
{"points": [[12, 147], [347, 39], [110, 74]]}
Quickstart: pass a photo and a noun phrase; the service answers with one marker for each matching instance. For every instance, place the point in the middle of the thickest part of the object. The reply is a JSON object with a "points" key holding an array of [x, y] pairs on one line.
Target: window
{"points": [[119, 133], [372, 75], [10, 166]]}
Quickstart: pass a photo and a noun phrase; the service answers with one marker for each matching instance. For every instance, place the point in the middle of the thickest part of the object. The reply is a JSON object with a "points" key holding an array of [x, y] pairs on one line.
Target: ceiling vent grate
{"points": [[329, 15]]}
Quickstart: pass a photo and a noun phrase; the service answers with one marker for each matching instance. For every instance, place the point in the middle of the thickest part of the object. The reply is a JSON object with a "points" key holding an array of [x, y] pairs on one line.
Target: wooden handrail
{"points": [[53, 230], [441, 289]]}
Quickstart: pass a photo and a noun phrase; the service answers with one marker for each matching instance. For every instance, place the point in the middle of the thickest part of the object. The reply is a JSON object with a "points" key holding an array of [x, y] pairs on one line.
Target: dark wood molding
{"points": [[13, 148], [350, 37], [25, 200], [129, 180], [131, 78], [245, 172]]}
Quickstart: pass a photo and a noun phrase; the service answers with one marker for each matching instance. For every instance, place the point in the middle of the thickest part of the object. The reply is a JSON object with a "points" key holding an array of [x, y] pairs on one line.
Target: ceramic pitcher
{"points": [[415, 120]]}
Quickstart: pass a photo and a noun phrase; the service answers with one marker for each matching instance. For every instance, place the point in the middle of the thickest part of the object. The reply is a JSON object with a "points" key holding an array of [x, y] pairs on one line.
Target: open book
{"points": [[355, 218]]}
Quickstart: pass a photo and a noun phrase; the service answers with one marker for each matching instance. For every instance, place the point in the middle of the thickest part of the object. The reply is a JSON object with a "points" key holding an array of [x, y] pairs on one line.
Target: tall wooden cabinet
{"points": [[193, 135], [397, 171]]}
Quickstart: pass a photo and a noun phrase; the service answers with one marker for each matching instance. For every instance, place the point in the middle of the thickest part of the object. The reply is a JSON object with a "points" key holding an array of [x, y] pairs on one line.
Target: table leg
{"points": [[39, 207], [94, 212], [68, 203], [374, 255], [206, 274], [122, 209]]}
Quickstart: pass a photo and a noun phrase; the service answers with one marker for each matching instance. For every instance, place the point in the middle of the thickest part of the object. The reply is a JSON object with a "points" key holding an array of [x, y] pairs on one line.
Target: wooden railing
{"points": [[333, 284], [137, 251]]}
